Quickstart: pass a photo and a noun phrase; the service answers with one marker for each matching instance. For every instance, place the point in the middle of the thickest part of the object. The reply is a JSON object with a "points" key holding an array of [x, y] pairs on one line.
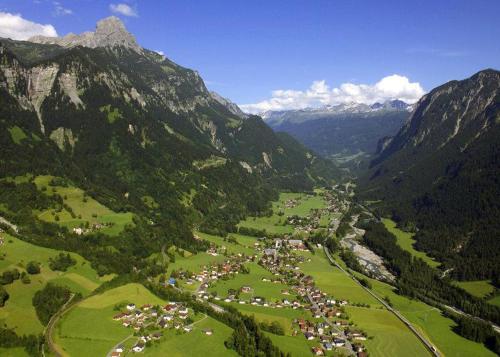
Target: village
{"points": [[148, 322]]}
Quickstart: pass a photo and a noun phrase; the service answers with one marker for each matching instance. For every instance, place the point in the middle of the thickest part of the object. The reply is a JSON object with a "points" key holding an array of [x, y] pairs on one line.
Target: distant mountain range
{"points": [[344, 130], [439, 175]]}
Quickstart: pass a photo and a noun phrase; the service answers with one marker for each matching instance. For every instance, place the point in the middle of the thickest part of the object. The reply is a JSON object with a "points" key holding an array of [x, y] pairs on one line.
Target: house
{"points": [[208, 331], [115, 354], [309, 336], [317, 351], [138, 348], [157, 335], [188, 328], [120, 349], [246, 289], [146, 307], [338, 342], [328, 346], [171, 281], [130, 307]]}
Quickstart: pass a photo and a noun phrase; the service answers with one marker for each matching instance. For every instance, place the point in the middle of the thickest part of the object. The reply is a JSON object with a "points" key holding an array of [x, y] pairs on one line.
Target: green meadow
{"points": [[406, 241], [333, 281], [430, 322], [18, 312], [85, 208], [390, 335], [195, 343], [479, 288], [88, 329], [270, 291], [274, 223], [495, 300]]}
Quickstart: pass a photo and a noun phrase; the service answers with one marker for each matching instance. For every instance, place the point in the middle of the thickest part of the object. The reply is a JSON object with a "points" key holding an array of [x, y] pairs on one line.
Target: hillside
{"points": [[141, 137], [438, 176]]}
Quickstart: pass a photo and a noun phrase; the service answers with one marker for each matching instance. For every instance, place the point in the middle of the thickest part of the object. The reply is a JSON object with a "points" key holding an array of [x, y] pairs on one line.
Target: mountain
{"points": [[110, 32], [343, 131], [140, 135], [230, 106], [439, 175]]}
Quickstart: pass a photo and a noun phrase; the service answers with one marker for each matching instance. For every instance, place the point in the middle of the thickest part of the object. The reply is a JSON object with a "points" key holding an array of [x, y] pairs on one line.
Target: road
{"points": [[50, 327], [422, 338]]}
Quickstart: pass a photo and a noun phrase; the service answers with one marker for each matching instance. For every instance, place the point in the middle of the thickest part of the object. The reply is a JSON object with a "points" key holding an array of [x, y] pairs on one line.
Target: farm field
{"points": [[391, 337], [268, 290], [266, 314], [430, 322], [334, 281], [479, 288], [297, 346], [274, 224], [19, 312], [88, 328], [406, 241], [244, 244], [195, 343], [85, 208]]}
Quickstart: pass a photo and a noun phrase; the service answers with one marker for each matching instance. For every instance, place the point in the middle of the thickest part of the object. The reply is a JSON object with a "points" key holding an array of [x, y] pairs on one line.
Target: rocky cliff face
{"points": [[110, 32]]}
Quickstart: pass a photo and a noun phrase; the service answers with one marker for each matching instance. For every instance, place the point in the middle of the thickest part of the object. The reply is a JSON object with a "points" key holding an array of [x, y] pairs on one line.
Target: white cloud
{"points": [[60, 10], [319, 94], [14, 26], [123, 9]]}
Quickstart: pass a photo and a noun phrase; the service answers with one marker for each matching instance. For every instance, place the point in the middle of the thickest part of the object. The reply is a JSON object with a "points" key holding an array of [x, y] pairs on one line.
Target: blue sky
{"points": [[246, 49]]}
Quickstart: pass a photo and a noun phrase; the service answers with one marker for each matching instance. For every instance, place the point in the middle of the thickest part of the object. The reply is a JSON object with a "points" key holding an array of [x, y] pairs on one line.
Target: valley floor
{"points": [[238, 271]]}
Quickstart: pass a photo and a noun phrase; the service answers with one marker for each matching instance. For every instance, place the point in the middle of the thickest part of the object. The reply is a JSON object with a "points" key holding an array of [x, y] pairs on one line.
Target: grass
{"points": [[495, 300], [13, 352], [244, 245], [333, 281], [274, 223], [479, 288], [17, 134], [391, 337], [88, 329], [18, 312], [406, 241], [266, 314], [297, 346], [85, 208], [195, 343], [268, 290], [431, 323]]}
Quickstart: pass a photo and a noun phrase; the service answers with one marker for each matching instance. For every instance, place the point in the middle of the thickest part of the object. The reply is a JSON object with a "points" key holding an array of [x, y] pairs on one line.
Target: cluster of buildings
{"points": [[93, 228], [171, 316]]}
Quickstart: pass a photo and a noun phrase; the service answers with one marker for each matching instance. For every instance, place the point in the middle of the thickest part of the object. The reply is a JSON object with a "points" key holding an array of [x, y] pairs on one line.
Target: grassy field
{"points": [[18, 312], [13, 352], [17, 134], [391, 337], [266, 314], [333, 281], [270, 291], [274, 224], [406, 241], [431, 323], [297, 346], [195, 343], [85, 208], [88, 328], [244, 244], [479, 288], [495, 300]]}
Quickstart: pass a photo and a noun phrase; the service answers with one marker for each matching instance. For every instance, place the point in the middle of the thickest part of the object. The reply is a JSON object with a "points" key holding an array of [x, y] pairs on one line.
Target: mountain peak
{"points": [[110, 32]]}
